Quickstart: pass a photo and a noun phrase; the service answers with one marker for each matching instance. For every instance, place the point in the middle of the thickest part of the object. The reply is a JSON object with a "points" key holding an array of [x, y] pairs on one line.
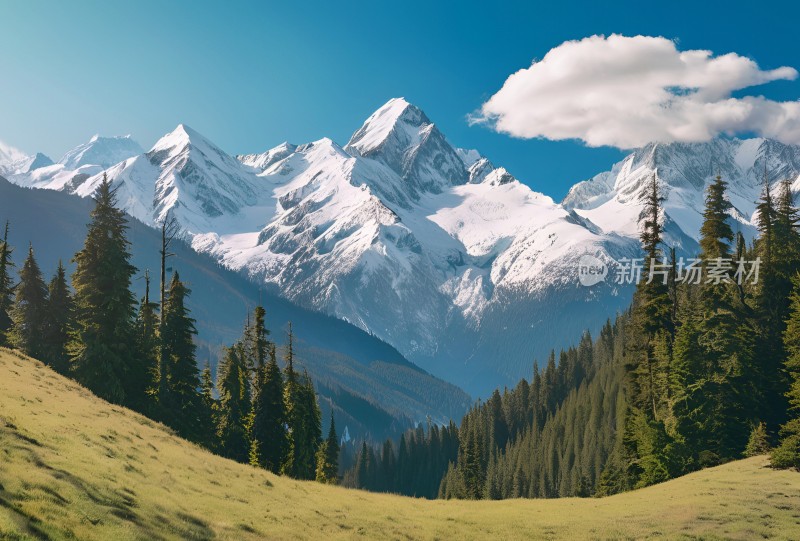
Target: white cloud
{"points": [[627, 91]]}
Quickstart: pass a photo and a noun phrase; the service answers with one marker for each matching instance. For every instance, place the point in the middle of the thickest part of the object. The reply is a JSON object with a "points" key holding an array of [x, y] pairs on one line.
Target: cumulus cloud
{"points": [[628, 91]]}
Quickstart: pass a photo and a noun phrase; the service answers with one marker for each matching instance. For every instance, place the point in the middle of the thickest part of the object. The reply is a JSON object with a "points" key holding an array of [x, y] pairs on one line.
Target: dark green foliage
{"points": [[306, 430], [265, 418], [102, 348], [28, 314], [207, 410], [787, 453], [234, 405], [328, 457], [269, 445], [6, 287], [257, 343], [775, 295], [715, 233], [58, 318], [179, 399], [296, 462], [652, 303], [470, 462], [649, 350], [148, 345], [145, 372], [413, 467]]}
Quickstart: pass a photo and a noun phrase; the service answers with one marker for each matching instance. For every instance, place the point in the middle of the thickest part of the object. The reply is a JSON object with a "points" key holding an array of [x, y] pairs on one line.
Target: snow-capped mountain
{"points": [[465, 270], [102, 151], [610, 199], [13, 161], [75, 166]]}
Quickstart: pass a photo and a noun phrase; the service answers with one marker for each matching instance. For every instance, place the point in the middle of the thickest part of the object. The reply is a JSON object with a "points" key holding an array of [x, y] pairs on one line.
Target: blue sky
{"points": [[251, 75]]}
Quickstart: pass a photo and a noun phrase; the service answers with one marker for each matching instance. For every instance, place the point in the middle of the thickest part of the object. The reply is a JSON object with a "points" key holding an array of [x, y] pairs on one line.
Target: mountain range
{"points": [[466, 271]]}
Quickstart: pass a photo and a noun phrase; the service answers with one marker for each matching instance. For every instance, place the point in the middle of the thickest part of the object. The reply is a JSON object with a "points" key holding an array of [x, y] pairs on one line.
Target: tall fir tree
{"points": [[787, 453], [257, 344], [6, 287], [148, 347], [234, 406], [207, 410], [716, 234], [779, 248], [649, 347], [182, 401], [58, 319], [715, 420], [268, 431], [144, 370], [102, 347], [292, 408], [28, 315], [328, 456], [307, 434]]}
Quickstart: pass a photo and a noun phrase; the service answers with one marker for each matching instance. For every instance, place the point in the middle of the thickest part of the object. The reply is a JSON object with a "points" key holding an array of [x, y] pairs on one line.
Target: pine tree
{"points": [[307, 430], [258, 344], [144, 373], [649, 347], [292, 407], [207, 410], [147, 337], [28, 314], [653, 301], [179, 407], [765, 218], [363, 468], [268, 431], [715, 233], [787, 240], [6, 287], [776, 289], [716, 397], [58, 318], [234, 405], [103, 343], [758, 444], [328, 457], [787, 453]]}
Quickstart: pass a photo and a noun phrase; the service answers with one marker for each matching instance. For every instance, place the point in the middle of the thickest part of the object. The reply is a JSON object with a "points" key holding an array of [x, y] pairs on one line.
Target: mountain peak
{"points": [[402, 137], [180, 138], [396, 115]]}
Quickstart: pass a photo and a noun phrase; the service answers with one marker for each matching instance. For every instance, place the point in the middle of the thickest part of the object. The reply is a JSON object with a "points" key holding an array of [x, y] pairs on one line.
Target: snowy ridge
{"points": [[610, 199], [76, 165], [14, 161], [102, 151], [465, 270]]}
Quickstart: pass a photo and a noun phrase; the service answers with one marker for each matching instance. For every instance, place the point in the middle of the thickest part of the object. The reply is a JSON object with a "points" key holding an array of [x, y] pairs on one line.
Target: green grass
{"points": [[75, 467]]}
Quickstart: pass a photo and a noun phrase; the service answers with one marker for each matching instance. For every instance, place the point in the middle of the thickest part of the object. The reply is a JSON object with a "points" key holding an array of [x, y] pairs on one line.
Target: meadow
{"points": [[75, 467]]}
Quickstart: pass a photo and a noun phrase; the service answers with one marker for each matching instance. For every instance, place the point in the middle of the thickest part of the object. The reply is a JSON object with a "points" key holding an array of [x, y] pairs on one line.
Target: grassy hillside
{"points": [[73, 466]]}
